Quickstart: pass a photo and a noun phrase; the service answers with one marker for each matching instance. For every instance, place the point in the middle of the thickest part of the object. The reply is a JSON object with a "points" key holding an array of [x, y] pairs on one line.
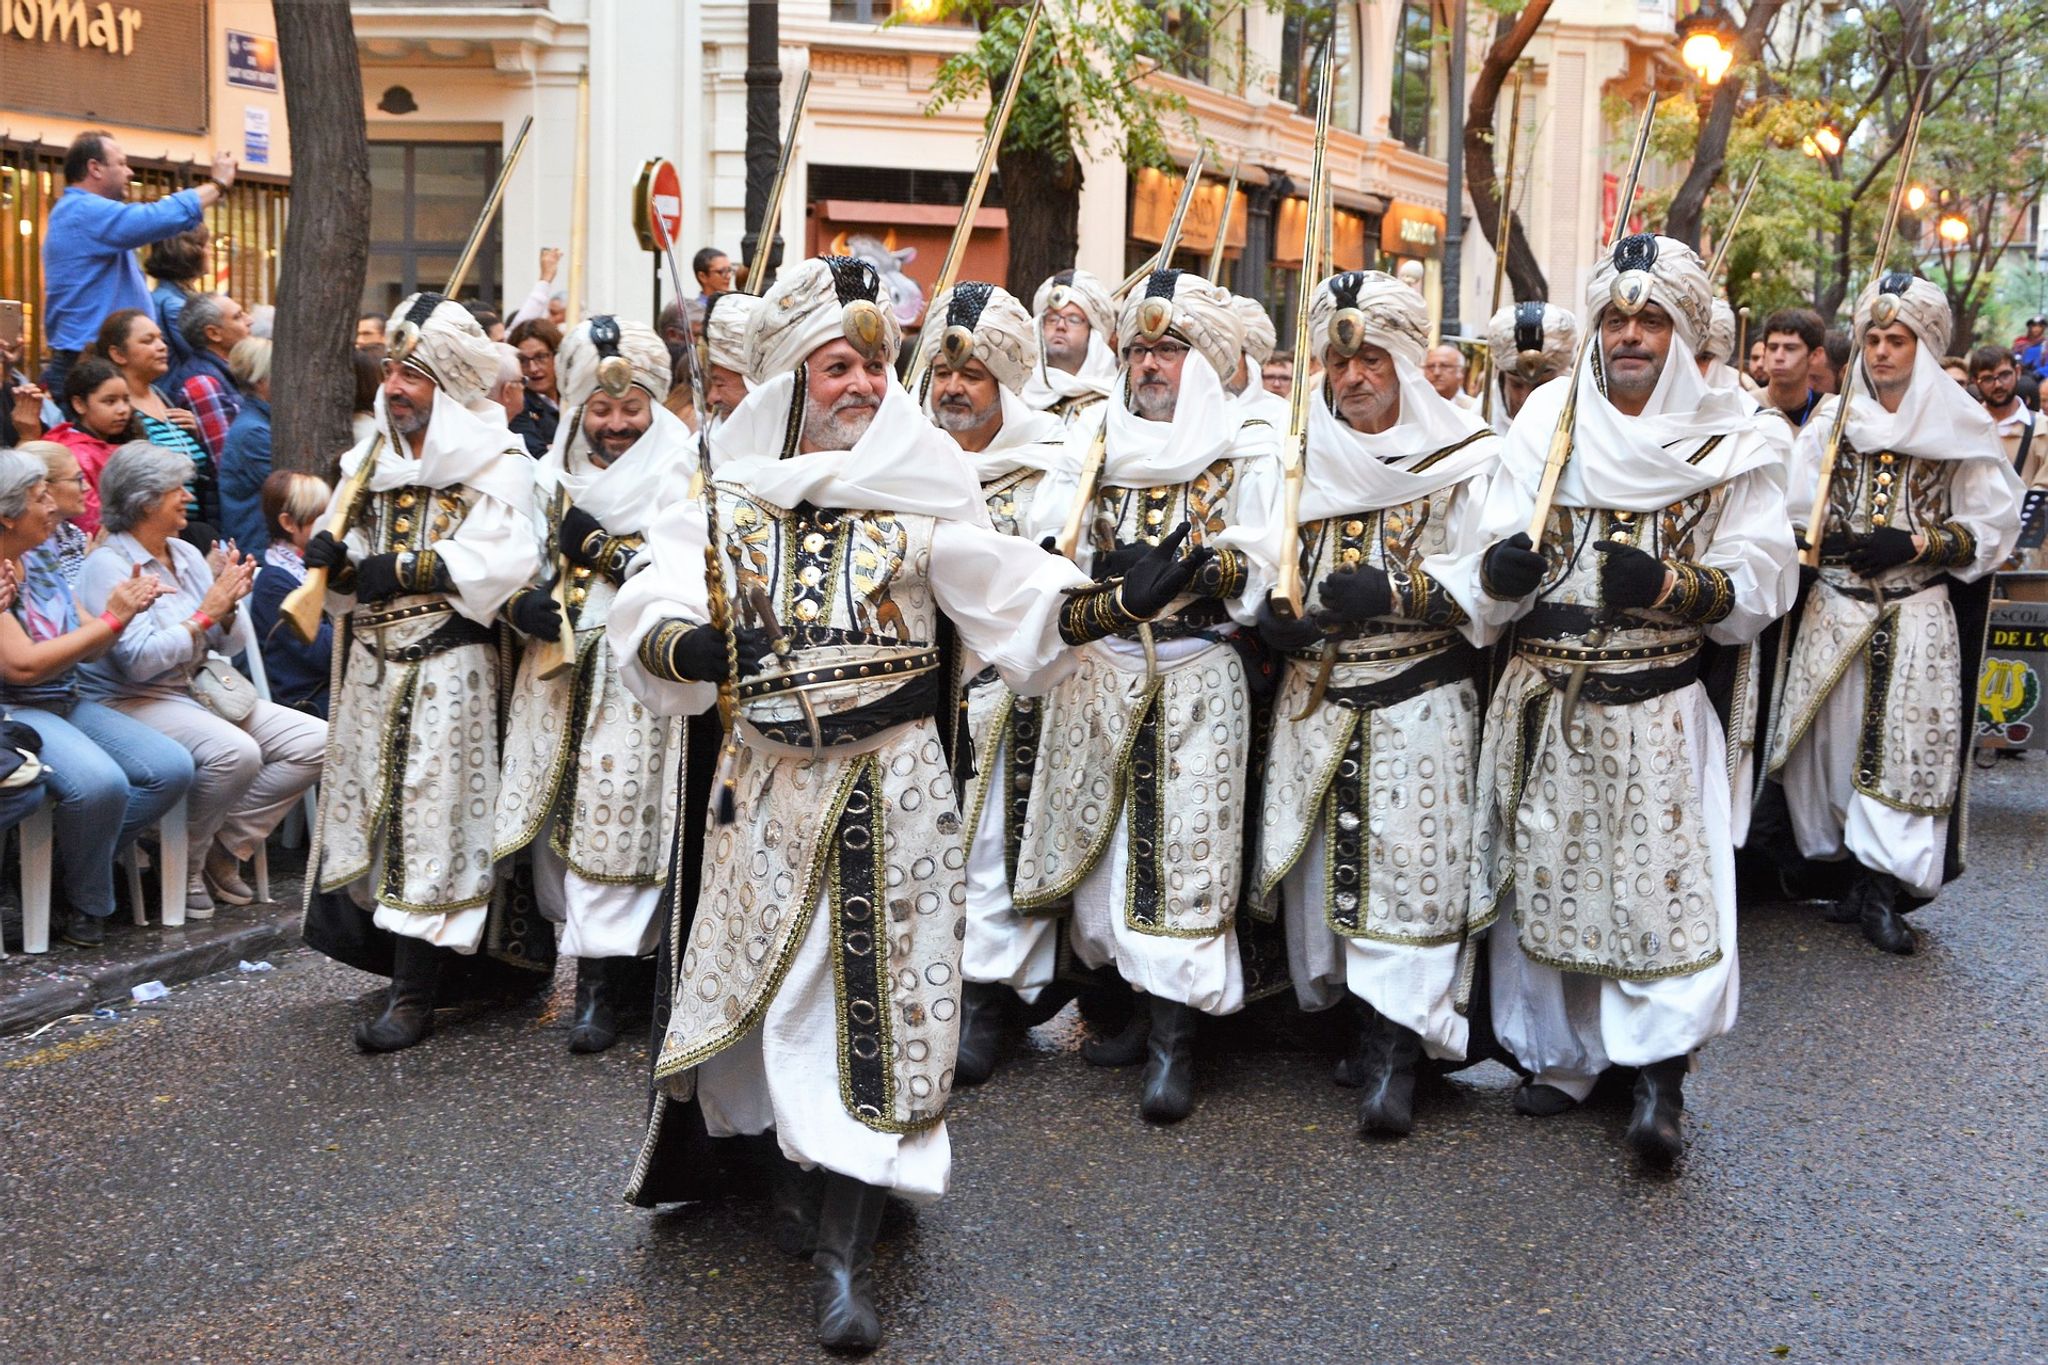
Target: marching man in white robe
{"points": [[1137, 809], [981, 345], [724, 351], [1247, 386], [1878, 710], [820, 992], [1369, 780], [590, 777], [1531, 343], [1603, 843], [443, 537], [1075, 369]]}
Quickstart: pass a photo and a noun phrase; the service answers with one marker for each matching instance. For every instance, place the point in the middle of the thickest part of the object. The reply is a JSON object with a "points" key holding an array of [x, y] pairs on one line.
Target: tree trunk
{"points": [[1482, 182], [1043, 199], [1711, 154], [326, 240]]}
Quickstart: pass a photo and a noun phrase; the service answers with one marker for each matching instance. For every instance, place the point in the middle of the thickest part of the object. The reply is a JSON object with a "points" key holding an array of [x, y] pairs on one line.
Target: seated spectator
{"points": [[537, 343], [90, 241], [131, 339], [177, 264], [247, 771], [370, 336], [369, 378], [26, 412], [102, 419], [292, 506], [68, 544], [112, 777], [213, 325], [245, 458]]}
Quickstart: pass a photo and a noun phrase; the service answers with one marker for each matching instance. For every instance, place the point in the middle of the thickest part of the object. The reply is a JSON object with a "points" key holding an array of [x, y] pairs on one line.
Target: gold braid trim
{"points": [[1222, 577], [658, 650], [1096, 613], [1949, 545], [1699, 594]]}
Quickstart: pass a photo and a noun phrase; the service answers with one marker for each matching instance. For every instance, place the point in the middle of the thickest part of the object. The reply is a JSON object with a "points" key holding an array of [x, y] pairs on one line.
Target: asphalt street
{"points": [[221, 1177]]}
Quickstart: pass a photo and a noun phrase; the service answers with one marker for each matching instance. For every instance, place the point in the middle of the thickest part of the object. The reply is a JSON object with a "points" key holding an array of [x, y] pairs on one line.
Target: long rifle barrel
{"points": [[1734, 222], [1223, 217], [1503, 230], [991, 143], [1170, 242], [1294, 455]]}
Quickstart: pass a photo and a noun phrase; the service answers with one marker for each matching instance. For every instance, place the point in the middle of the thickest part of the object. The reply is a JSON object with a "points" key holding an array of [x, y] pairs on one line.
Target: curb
{"points": [[36, 989]]}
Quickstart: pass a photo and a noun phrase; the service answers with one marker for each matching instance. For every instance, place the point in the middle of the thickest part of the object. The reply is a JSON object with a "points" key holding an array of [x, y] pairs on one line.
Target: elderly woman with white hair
{"points": [[253, 758], [245, 454], [112, 777]]}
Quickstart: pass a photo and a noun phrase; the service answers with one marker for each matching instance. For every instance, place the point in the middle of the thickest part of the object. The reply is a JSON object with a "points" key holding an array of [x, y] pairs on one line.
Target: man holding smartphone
{"points": [[89, 244]]}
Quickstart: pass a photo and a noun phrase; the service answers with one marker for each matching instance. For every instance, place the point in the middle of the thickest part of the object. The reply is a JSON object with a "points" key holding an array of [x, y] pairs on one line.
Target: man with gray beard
{"points": [[818, 1008]]}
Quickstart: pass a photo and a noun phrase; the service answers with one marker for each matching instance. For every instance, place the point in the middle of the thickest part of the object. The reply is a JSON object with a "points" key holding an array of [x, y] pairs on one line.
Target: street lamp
{"points": [[1822, 141], [1706, 42], [1916, 198], [1954, 229]]}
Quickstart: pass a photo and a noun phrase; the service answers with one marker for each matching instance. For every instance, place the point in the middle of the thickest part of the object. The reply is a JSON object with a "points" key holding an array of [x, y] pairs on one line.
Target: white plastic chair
{"points": [[171, 861], [252, 652], [37, 842]]}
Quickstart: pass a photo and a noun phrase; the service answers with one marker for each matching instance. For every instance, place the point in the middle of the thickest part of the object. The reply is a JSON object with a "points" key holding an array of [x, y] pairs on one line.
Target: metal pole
{"points": [[764, 124], [1454, 178]]}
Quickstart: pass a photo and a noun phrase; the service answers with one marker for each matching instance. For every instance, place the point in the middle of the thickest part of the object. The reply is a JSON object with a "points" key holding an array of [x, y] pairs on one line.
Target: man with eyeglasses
{"points": [[400, 881], [713, 269], [1076, 366], [1997, 377], [1137, 814]]}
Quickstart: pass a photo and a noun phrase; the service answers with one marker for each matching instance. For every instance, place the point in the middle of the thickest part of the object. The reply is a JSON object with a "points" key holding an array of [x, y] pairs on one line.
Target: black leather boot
{"points": [[848, 1219], [1542, 1101], [409, 1007], [1349, 1071], [1654, 1128], [794, 1197], [1124, 1048], [596, 1026], [985, 1010], [1878, 913], [1390, 1055], [1168, 1088]]}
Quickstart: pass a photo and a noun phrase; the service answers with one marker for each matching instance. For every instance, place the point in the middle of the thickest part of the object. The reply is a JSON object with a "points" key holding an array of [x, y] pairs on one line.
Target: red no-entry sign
{"points": [[657, 204]]}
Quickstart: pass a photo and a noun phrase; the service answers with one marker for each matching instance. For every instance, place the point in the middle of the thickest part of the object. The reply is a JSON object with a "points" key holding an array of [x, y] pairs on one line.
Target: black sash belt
{"points": [[1623, 689], [802, 679], [1895, 592], [1198, 621], [1456, 664], [457, 632], [918, 699]]}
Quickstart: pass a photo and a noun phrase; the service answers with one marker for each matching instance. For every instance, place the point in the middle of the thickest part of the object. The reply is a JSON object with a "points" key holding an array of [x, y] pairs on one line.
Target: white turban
{"points": [[1532, 340], [442, 340], [1260, 338], [726, 319], [580, 366], [824, 299], [1083, 291], [1662, 270], [1187, 307], [1918, 303], [1720, 332], [1367, 307], [978, 321]]}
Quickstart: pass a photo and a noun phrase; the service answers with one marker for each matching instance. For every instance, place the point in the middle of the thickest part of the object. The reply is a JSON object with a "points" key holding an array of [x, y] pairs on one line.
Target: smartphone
{"points": [[10, 321]]}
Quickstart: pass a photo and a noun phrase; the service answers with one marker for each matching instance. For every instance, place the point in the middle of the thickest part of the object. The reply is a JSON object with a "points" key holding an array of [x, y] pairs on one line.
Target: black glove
{"points": [[1285, 632], [533, 613], [1118, 562], [1512, 569], [1886, 547], [377, 578], [699, 656], [1629, 577], [574, 537], [1355, 594], [1160, 574], [323, 551]]}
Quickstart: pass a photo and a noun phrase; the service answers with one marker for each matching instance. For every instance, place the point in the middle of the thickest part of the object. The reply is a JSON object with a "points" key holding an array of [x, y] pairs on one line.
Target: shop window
{"points": [[424, 198], [1303, 37], [875, 11], [1408, 114]]}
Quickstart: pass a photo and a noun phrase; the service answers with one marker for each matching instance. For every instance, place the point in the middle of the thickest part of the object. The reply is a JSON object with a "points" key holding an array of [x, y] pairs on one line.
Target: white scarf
{"points": [[1145, 454], [1045, 386], [1643, 463], [1028, 439], [460, 448], [1352, 471], [627, 494], [1936, 419], [902, 463], [1256, 402]]}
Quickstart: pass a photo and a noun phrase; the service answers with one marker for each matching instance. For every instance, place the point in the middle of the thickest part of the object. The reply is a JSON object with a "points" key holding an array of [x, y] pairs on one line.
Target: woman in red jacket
{"points": [[102, 419]]}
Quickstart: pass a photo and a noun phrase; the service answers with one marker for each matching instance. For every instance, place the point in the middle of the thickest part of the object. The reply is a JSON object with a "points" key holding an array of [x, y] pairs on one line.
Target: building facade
{"points": [[174, 81]]}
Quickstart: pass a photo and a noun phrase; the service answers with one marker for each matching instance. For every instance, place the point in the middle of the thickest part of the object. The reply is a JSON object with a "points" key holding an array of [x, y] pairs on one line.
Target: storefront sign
{"points": [[256, 136], [1347, 232], [1412, 230], [1154, 195], [142, 65], [252, 62], [2009, 687]]}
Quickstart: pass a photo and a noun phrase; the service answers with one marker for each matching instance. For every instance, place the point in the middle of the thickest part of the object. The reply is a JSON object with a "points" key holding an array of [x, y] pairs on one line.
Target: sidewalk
{"points": [[67, 980]]}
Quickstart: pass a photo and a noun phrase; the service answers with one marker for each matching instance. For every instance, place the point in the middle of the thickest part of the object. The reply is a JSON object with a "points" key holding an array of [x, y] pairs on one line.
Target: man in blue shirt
{"points": [[89, 244]]}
